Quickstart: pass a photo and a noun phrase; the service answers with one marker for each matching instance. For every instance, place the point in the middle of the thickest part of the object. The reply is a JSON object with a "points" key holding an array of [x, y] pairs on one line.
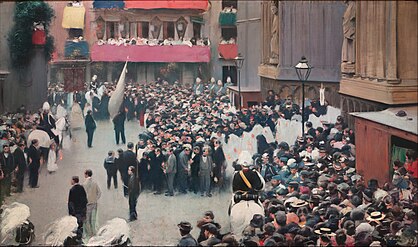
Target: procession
{"points": [[208, 123]]}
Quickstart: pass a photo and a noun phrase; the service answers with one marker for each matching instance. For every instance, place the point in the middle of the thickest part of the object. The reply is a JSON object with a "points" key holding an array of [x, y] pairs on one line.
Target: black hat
{"points": [[211, 228], [185, 226], [257, 221]]}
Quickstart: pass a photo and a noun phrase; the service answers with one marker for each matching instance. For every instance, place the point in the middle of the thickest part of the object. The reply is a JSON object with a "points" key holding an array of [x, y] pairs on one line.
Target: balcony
{"points": [[76, 50], [228, 51], [146, 53], [227, 18]]}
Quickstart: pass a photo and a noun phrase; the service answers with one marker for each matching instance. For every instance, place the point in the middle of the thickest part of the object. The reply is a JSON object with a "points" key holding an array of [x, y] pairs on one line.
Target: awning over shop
{"points": [[145, 53], [103, 4], [166, 4], [73, 17], [228, 51], [227, 19]]}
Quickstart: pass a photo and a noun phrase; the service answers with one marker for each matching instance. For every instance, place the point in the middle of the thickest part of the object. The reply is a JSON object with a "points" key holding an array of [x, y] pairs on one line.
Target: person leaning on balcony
{"points": [[411, 163]]}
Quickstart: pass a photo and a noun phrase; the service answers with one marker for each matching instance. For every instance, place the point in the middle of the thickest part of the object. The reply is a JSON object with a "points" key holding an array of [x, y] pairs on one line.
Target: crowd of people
{"points": [[311, 193]]}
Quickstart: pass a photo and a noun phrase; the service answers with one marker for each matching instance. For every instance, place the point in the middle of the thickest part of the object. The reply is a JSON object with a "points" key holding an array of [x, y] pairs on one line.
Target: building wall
{"points": [[28, 85], [249, 42], [305, 28], [385, 71]]}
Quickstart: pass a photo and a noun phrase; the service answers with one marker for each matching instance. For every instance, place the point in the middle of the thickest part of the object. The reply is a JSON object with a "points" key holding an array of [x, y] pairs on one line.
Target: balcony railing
{"points": [[228, 51], [146, 53]]}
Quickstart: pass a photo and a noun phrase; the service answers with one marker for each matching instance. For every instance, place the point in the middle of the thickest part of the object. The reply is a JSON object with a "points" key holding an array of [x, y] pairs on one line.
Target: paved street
{"points": [[158, 215]]}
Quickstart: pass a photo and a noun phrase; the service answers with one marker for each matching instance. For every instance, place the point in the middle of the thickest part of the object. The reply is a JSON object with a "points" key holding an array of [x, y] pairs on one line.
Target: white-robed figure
{"points": [[198, 87], [246, 185], [52, 158]]}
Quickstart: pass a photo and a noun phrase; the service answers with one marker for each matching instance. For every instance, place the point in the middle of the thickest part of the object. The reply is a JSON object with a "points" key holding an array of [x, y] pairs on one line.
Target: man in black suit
{"points": [[7, 164], [20, 161], [119, 126], [77, 204], [90, 127], [129, 159], [133, 190], [34, 157]]}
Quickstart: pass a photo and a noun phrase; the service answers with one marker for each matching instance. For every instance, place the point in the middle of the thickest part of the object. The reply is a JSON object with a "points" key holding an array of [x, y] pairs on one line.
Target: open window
{"points": [[144, 29], [230, 71], [197, 30], [112, 30], [168, 30], [74, 33], [230, 3], [229, 33]]}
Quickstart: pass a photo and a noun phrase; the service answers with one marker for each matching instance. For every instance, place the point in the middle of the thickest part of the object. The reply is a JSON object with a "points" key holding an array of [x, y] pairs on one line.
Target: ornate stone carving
{"points": [[348, 55], [274, 42]]}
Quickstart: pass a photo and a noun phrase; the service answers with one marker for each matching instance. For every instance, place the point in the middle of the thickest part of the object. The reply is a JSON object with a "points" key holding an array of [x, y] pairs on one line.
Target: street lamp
{"points": [[303, 70], [239, 61]]}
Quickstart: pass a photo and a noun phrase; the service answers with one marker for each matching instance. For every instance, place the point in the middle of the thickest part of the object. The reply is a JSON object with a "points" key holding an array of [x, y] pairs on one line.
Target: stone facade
{"points": [[385, 69], [305, 28]]}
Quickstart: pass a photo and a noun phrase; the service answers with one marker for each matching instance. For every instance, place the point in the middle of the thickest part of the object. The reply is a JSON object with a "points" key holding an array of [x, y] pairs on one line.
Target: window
{"points": [[229, 3], [145, 29], [75, 33], [168, 30], [229, 32], [197, 27], [230, 71], [112, 30], [133, 30]]}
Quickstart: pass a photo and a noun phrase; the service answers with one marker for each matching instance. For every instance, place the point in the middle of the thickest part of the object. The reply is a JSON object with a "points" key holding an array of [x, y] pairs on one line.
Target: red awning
{"points": [[166, 4], [228, 51], [145, 53]]}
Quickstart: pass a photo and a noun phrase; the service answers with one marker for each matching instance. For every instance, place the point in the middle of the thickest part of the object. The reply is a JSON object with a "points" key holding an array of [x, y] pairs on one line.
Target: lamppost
{"points": [[239, 61], [303, 69]]}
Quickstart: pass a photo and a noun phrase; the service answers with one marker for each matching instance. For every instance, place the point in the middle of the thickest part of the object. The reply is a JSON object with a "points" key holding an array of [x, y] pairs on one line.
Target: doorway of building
{"points": [[230, 71]]}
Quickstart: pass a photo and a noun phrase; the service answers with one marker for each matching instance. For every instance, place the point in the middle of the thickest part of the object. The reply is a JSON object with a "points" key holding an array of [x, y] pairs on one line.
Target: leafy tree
{"points": [[20, 36]]}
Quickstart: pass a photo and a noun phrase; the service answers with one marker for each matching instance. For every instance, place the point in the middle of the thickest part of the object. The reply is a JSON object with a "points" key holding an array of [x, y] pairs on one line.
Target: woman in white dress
{"points": [[52, 158], [77, 118]]}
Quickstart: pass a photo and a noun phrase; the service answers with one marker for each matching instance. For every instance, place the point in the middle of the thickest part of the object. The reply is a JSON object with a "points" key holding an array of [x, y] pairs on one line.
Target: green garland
{"points": [[20, 36]]}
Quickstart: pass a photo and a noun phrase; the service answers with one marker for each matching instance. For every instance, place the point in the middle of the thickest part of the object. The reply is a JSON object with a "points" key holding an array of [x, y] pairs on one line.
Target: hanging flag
{"points": [[116, 99]]}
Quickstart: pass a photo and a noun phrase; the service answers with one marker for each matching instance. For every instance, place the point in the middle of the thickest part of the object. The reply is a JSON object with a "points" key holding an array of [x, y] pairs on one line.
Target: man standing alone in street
{"points": [[133, 192], [90, 127], [119, 127], [93, 194], [111, 169]]}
